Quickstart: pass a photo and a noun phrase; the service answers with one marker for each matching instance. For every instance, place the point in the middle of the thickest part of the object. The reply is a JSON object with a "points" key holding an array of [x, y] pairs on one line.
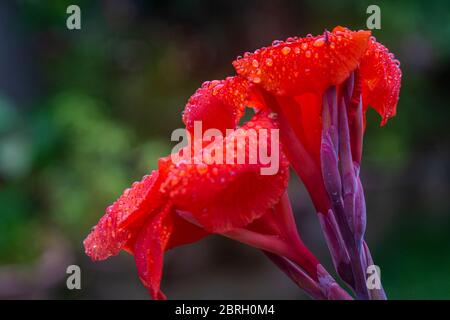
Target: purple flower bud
{"points": [[346, 165], [360, 214], [375, 294], [330, 169], [336, 246], [330, 116], [349, 88], [356, 126]]}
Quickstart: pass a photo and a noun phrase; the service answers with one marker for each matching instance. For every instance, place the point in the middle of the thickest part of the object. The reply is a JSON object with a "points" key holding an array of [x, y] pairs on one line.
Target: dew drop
{"points": [[202, 168], [319, 42], [273, 115], [256, 80], [174, 181], [285, 50], [291, 39], [276, 42]]}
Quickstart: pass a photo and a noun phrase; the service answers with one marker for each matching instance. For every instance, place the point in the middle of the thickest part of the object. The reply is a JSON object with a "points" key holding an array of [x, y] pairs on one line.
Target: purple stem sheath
{"points": [[345, 224]]}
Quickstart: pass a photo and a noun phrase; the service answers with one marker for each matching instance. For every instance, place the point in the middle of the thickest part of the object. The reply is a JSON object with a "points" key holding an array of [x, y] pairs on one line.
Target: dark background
{"points": [[84, 113]]}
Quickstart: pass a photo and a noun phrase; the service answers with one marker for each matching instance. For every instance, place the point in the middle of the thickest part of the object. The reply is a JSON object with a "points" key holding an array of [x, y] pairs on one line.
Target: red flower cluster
{"points": [[285, 84]]}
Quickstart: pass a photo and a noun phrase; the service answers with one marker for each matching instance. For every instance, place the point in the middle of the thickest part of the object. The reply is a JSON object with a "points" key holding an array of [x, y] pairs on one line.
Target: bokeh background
{"points": [[84, 113]]}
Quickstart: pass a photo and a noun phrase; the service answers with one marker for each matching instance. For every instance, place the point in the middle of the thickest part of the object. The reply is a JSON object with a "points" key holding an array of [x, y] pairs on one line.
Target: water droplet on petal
{"points": [[291, 39], [285, 50], [276, 42], [202, 168], [273, 115], [319, 42]]}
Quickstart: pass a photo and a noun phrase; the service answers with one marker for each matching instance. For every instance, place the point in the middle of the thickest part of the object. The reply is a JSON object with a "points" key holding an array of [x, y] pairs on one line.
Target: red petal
{"points": [[184, 232], [113, 230], [305, 64], [218, 104], [226, 196], [149, 251], [381, 77], [310, 116]]}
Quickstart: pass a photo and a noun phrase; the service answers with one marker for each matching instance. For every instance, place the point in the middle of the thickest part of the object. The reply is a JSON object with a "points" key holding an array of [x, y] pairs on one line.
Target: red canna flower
{"points": [[316, 90], [183, 201]]}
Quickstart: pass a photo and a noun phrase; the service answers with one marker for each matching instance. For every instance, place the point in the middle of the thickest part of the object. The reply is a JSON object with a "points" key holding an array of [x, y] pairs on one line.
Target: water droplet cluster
{"points": [[304, 64]]}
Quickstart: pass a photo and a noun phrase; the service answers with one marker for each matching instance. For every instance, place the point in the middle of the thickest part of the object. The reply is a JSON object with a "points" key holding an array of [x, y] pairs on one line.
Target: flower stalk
{"points": [[315, 91], [347, 218]]}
